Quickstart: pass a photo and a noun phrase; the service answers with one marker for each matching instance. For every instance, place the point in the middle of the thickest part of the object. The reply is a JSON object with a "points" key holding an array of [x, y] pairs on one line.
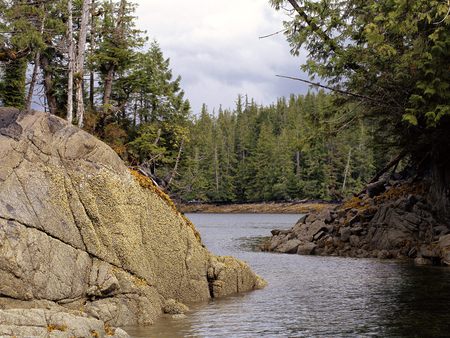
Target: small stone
{"points": [[422, 261], [345, 234], [375, 189], [173, 307], [326, 216], [428, 252], [276, 232], [302, 219], [384, 254], [357, 231], [319, 235], [311, 218], [306, 249], [179, 316], [288, 247], [354, 241]]}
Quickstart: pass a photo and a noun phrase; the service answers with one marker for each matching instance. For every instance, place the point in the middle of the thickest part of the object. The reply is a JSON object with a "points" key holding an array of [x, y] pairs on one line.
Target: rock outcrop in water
{"points": [[86, 244], [392, 220]]}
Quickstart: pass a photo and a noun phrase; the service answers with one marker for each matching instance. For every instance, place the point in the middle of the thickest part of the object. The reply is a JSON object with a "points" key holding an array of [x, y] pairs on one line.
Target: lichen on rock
{"points": [[81, 232]]}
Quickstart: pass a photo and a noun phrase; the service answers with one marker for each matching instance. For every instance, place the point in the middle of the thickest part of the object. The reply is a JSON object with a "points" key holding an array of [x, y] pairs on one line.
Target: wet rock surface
{"points": [[391, 220], [80, 231]]}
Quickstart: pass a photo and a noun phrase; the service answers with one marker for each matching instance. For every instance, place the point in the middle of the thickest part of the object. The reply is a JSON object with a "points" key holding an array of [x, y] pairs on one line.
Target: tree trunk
{"points": [[33, 81], [108, 90], [71, 63], [79, 64], [37, 59], [48, 85], [175, 168], [347, 169], [92, 48], [298, 167], [440, 184], [216, 168]]}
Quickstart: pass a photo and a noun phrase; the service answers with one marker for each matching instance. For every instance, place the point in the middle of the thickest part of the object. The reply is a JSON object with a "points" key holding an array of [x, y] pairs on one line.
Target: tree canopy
{"points": [[395, 55]]}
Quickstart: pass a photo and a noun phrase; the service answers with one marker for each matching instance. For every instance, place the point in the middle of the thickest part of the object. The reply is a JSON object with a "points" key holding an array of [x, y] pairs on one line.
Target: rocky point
{"points": [[392, 219], [87, 245]]}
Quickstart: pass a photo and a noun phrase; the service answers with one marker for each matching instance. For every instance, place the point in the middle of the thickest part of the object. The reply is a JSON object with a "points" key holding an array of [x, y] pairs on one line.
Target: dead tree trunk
{"points": [[92, 48], [48, 84], [79, 64], [33, 81], [347, 169], [71, 62], [37, 59], [175, 168]]}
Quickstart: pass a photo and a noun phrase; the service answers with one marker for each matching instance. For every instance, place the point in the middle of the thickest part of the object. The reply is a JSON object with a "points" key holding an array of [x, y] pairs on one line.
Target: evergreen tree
{"points": [[393, 57]]}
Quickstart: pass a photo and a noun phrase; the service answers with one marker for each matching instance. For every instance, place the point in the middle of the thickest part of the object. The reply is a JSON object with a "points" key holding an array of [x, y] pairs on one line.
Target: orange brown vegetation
{"points": [[56, 327], [400, 191], [109, 330], [147, 183], [392, 194]]}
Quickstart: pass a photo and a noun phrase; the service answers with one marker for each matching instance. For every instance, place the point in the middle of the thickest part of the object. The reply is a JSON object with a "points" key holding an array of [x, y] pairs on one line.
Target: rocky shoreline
{"points": [[86, 245], [299, 207], [392, 219]]}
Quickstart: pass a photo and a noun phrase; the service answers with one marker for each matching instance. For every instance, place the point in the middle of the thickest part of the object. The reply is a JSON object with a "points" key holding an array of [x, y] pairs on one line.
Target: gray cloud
{"points": [[214, 46]]}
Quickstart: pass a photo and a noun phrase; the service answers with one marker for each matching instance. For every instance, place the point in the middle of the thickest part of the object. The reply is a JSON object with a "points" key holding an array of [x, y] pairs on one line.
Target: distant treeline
{"points": [[302, 147]]}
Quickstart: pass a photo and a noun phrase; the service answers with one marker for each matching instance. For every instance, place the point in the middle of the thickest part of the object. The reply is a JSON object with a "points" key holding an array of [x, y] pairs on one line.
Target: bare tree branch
{"points": [[332, 89], [446, 15], [269, 35]]}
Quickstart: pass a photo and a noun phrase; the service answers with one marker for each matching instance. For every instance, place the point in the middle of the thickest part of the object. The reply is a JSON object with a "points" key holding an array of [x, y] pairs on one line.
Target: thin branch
{"points": [[446, 15], [269, 35], [332, 44], [331, 88]]}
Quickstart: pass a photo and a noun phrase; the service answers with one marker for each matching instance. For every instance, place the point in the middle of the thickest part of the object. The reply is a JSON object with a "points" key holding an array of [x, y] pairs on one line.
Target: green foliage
{"points": [[116, 37], [295, 149], [394, 52], [20, 25], [13, 87]]}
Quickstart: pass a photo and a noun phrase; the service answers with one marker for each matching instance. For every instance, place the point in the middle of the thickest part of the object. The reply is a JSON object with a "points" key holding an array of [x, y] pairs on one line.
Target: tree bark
{"points": [[33, 81], [71, 63], [92, 48], [175, 168], [108, 90], [79, 64], [347, 169], [48, 85], [37, 59], [439, 192]]}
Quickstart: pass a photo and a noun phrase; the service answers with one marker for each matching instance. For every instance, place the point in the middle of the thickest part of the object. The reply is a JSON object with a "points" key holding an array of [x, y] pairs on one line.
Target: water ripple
{"points": [[312, 296]]}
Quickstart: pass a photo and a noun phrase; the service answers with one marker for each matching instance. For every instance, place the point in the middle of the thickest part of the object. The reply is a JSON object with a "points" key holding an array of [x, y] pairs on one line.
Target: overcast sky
{"points": [[214, 46]]}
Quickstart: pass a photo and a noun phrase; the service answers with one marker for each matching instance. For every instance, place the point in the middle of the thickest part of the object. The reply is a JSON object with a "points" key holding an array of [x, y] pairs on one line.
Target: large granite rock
{"points": [[78, 229], [53, 324]]}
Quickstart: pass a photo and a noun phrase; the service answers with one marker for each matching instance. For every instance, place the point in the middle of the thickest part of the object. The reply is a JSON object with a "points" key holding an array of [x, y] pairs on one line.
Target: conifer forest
{"points": [[385, 66]]}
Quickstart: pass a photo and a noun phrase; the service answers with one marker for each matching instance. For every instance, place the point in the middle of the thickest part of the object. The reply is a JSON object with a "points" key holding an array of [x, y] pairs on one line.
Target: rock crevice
{"points": [[79, 231]]}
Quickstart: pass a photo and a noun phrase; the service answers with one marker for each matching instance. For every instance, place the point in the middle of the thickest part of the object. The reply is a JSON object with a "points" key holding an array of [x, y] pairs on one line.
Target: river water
{"points": [[311, 296]]}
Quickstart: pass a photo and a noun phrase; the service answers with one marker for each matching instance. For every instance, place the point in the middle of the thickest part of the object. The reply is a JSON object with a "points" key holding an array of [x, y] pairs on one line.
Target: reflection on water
{"points": [[312, 296]]}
